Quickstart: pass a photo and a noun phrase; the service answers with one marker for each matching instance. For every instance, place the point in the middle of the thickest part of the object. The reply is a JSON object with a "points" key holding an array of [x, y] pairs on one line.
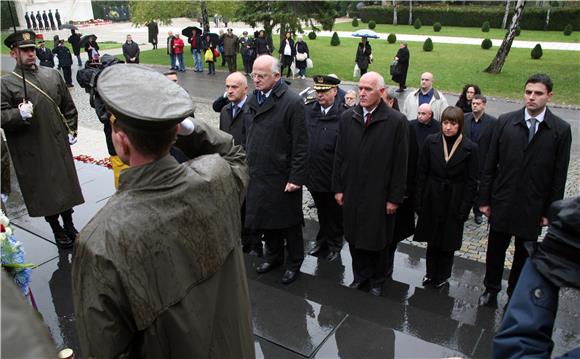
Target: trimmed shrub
{"points": [[335, 41], [518, 31], [312, 35], [486, 44], [472, 15], [372, 24], [537, 52], [568, 30], [428, 45], [417, 25], [392, 38], [485, 26], [355, 22], [437, 27]]}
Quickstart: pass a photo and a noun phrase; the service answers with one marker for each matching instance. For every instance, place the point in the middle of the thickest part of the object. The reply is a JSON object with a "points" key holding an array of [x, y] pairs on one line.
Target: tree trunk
{"points": [[497, 63], [548, 18], [204, 17], [506, 13], [394, 12], [410, 12]]}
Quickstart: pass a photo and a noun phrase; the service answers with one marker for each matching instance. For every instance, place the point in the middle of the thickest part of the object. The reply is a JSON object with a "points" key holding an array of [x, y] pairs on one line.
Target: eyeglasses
{"points": [[260, 76], [422, 113]]}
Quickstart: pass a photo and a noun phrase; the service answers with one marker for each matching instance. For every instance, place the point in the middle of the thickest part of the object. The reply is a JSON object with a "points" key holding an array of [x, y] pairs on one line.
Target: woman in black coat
{"points": [[363, 55], [464, 101], [287, 52], [301, 50], [262, 44], [446, 185], [402, 58]]}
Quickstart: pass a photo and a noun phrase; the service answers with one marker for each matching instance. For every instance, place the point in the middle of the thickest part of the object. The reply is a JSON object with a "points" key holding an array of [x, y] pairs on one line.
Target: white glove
{"points": [[26, 110], [72, 139], [186, 127]]}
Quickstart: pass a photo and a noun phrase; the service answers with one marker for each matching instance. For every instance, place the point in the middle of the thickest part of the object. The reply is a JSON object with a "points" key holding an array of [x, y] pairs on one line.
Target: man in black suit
{"points": [[525, 171], [478, 127]]}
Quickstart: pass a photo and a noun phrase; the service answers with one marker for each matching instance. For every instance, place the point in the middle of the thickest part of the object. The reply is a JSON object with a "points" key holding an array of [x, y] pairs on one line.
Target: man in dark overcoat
{"points": [[525, 171], [402, 57], [45, 19], [58, 22], [478, 127], [369, 178], [39, 21], [27, 18], [75, 40], [51, 19], [322, 118], [153, 32], [44, 55], [277, 149], [37, 138]]}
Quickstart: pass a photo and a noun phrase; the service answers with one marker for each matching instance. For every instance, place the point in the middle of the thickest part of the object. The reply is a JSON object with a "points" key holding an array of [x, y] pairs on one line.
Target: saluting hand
{"points": [[392, 207]]}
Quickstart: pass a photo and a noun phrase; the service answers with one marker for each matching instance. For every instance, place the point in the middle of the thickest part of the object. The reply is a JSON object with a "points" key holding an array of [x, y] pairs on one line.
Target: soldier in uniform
{"points": [[322, 119], [36, 132], [159, 272]]}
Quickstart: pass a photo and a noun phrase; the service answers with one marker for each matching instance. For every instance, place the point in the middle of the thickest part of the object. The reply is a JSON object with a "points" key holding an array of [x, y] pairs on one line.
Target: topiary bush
{"points": [[335, 41], [518, 31], [372, 24], [392, 38], [437, 27], [355, 22], [568, 30], [312, 35], [537, 52], [417, 24], [485, 26], [428, 45], [486, 44]]}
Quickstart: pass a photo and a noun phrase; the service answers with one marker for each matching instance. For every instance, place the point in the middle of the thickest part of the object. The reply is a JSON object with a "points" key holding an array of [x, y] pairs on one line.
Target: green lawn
{"points": [[49, 43], [528, 35], [452, 65]]}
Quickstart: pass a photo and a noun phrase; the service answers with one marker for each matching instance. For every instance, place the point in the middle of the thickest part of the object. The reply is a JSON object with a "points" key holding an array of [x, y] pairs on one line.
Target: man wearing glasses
{"points": [[276, 145]]}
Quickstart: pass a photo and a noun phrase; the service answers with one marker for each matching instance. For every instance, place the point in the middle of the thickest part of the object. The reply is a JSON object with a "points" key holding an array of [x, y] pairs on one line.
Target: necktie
{"points": [[369, 119], [234, 111], [532, 129], [261, 98]]}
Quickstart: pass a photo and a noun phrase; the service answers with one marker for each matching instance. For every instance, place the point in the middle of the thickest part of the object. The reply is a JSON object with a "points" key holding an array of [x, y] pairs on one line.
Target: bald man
{"points": [[369, 179], [424, 125], [425, 94]]}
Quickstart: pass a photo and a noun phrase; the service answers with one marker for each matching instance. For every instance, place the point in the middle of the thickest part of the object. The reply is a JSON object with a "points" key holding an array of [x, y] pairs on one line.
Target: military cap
{"points": [[142, 98], [325, 83], [21, 38]]}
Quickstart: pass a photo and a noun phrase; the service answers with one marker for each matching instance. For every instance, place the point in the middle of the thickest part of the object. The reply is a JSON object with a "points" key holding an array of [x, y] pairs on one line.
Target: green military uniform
{"points": [[39, 146], [158, 272]]}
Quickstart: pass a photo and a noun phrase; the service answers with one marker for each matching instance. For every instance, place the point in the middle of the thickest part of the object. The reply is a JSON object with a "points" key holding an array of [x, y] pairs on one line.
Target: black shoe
{"points": [[266, 267], [427, 281], [62, 239], [318, 247], [290, 276], [355, 285], [376, 291], [478, 219], [440, 284], [332, 256], [488, 299], [400, 90], [71, 233]]}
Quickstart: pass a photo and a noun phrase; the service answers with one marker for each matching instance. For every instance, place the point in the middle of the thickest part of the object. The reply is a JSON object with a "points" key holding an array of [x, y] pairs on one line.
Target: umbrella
{"points": [[69, 26], [188, 31], [21, 68], [85, 39], [214, 38], [366, 33]]}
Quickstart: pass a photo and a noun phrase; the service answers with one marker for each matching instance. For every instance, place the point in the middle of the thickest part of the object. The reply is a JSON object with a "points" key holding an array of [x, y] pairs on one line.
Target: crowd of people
{"points": [[44, 22], [378, 174]]}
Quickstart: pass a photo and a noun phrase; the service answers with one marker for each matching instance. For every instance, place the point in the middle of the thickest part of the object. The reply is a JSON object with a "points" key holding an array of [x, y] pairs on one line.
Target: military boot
{"points": [[69, 227], [61, 238]]}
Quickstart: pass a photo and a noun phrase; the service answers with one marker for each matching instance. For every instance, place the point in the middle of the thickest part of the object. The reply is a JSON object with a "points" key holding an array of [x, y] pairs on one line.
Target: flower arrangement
{"points": [[105, 162], [13, 256]]}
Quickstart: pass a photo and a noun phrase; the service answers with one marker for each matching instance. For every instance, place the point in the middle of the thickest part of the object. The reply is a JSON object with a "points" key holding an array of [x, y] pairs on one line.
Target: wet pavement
{"points": [[318, 315]]}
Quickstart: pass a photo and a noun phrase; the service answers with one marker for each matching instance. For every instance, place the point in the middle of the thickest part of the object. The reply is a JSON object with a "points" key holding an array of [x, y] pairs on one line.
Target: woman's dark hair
{"points": [[453, 114], [462, 102]]}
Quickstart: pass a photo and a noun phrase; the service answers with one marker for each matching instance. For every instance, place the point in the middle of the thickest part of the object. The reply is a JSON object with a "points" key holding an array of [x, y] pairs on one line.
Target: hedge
{"points": [[486, 44], [392, 38], [335, 40], [473, 15], [537, 52], [312, 35]]}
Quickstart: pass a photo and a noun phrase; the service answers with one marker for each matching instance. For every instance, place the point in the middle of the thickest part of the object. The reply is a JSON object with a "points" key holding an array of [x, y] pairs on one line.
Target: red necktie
{"points": [[369, 119]]}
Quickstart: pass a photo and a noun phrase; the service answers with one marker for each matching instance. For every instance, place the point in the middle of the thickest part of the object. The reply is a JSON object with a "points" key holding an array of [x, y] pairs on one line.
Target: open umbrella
{"points": [[366, 33], [69, 26], [188, 31], [85, 39], [213, 37]]}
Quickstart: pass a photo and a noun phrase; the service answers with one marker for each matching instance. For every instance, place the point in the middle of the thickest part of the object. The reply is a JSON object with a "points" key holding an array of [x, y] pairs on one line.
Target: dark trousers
{"points": [[232, 63], [274, 239], [329, 219], [247, 64], [369, 266], [391, 250], [497, 245], [286, 62], [211, 67], [67, 73], [439, 263], [66, 219]]}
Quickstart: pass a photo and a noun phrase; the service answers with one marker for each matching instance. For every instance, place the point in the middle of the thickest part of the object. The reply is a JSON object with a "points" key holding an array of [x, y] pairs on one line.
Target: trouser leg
{"points": [[66, 71], [390, 259], [54, 223], [360, 268], [497, 245], [379, 261], [79, 61], [520, 256], [445, 265], [322, 235], [274, 246], [295, 247], [431, 262]]}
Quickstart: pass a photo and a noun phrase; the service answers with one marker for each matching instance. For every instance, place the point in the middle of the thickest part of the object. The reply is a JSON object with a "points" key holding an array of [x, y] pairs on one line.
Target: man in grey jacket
{"points": [[425, 94]]}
